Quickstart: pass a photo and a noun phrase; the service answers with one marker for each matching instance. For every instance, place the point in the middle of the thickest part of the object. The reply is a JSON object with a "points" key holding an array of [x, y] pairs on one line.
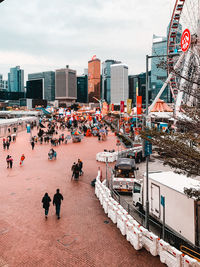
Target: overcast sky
{"points": [[41, 35]]}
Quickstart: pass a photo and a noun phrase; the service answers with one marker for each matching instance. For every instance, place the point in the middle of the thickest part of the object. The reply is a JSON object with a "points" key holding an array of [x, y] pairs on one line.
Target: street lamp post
{"points": [[147, 124], [147, 157]]}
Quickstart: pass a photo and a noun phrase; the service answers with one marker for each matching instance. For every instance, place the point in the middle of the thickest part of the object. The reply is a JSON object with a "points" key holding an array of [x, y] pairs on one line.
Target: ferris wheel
{"points": [[183, 53]]}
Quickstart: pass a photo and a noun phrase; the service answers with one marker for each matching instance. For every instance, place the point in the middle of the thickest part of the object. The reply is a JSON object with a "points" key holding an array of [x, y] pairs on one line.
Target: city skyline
{"points": [[49, 35]]}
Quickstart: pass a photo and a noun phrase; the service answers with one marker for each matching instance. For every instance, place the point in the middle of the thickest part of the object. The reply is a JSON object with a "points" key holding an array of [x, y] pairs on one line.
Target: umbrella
{"points": [[76, 132]]}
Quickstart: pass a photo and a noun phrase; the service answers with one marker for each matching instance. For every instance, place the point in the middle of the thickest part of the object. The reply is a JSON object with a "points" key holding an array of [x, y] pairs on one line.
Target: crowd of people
{"points": [[51, 132]]}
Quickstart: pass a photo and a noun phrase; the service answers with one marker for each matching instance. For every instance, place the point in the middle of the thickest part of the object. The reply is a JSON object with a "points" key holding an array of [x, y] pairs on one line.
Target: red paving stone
{"points": [[80, 237]]}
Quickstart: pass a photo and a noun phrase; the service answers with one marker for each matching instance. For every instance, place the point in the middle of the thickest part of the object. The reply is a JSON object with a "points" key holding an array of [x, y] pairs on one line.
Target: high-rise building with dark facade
{"points": [[140, 81], [66, 86], [3, 83], [16, 80], [41, 86], [94, 79], [82, 89], [106, 78]]}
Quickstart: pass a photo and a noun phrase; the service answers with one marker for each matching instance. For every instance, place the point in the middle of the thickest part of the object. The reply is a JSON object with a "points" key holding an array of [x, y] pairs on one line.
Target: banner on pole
{"points": [[112, 107], [121, 106], [139, 105], [129, 105]]}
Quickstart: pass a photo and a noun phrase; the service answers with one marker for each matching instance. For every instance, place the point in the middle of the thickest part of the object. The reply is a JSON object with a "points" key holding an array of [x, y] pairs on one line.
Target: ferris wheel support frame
{"points": [[177, 65], [182, 82]]}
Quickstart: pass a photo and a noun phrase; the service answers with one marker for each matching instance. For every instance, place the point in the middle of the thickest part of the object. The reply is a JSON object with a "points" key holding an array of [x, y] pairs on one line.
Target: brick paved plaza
{"points": [[80, 237]]}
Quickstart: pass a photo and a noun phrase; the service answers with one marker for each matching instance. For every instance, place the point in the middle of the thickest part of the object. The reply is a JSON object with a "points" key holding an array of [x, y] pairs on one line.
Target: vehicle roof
{"points": [[125, 161], [174, 180]]}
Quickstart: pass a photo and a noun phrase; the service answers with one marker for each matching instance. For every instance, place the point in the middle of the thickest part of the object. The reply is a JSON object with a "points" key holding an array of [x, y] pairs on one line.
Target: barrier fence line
{"points": [[137, 235]]}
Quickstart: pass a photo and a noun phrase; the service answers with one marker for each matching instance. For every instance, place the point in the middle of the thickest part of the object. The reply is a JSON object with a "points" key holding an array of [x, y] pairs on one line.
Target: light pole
{"points": [[147, 124], [147, 157]]}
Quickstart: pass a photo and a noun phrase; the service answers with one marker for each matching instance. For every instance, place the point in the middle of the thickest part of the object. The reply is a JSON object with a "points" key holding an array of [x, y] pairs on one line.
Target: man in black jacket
{"points": [[57, 201]]}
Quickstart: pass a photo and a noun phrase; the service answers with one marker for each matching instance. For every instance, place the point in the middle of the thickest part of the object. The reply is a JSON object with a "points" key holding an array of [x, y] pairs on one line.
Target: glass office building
{"points": [[16, 80], [158, 68], [140, 81], [82, 89], [34, 89], [41, 85]]}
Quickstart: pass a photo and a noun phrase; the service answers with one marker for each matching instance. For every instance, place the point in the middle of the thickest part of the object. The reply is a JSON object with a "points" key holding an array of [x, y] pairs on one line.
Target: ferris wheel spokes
{"points": [[171, 75]]}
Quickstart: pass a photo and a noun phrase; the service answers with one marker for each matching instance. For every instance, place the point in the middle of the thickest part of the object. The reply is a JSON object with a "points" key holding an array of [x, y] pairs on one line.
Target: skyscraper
{"points": [[41, 85], [106, 78], [119, 83], [66, 85], [3, 83], [94, 79], [16, 80], [138, 81], [82, 89]]}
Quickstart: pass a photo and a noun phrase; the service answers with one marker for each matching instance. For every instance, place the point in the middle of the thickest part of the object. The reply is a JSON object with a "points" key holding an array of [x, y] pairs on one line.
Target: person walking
{"points": [[72, 169], [46, 204], [7, 160], [7, 144], [11, 162], [32, 144], [4, 145], [80, 165], [76, 172], [22, 160], [57, 202]]}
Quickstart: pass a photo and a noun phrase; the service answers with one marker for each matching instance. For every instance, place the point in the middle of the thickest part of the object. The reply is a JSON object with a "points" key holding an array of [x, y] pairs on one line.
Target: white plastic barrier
{"points": [[107, 192], [101, 193], [121, 222], [105, 204], [112, 212], [190, 262], [134, 236], [97, 189], [104, 184], [169, 255], [137, 235], [150, 242], [125, 213]]}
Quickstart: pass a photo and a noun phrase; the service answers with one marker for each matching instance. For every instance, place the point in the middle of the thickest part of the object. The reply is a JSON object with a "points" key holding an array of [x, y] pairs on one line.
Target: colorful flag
{"points": [[139, 105], [121, 106], [129, 105]]}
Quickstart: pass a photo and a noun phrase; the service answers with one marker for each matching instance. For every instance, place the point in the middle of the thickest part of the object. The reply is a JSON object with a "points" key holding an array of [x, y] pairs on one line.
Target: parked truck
{"points": [[123, 175], [182, 214]]}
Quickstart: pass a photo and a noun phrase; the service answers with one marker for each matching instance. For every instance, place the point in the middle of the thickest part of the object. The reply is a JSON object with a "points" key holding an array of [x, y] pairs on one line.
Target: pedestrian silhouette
{"points": [[57, 202]]}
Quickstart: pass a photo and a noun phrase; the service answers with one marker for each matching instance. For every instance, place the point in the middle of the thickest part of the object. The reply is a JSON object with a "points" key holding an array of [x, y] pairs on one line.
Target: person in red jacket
{"points": [[22, 160]]}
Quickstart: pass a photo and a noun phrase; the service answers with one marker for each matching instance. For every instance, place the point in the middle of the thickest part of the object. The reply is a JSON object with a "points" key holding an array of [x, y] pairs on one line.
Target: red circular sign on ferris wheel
{"points": [[185, 40]]}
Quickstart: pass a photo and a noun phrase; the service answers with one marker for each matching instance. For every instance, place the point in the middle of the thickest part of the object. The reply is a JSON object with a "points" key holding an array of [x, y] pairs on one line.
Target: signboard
{"points": [[148, 148], [129, 105], [121, 106], [139, 104], [162, 201], [185, 40]]}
